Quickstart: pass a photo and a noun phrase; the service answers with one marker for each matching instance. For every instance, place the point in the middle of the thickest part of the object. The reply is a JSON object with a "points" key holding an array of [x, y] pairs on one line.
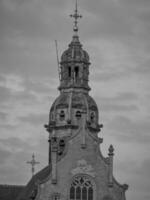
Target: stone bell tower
{"points": [[76, 169]]}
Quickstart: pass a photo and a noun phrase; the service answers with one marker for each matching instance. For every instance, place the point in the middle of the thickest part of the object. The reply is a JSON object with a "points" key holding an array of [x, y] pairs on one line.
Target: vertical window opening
{"points": [[90, 193], [69, 71], [78, 114], [76, 70], [78, 193], [84, 193], [61, 147], [62, 115], [92, 117]]}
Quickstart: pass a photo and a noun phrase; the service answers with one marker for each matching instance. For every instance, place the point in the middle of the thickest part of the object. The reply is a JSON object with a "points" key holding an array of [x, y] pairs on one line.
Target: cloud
{"points": [[4, 155], [15, 153], [34, 119], [12, 82], [116, 36], [128, 130], [118, 108], [5, 94], [122, 102], [131, 170], [3, 116]]}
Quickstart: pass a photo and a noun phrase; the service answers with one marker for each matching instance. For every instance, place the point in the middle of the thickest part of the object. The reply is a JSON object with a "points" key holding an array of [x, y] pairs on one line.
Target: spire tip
{"points": [[76, 16]]}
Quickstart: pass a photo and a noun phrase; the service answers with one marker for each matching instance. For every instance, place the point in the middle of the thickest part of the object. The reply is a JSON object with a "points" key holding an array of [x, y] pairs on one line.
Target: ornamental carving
{"points": [[83, 168]]}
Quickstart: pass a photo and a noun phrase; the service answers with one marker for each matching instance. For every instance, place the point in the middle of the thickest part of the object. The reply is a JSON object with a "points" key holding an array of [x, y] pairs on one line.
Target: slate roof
{"points": [[10, 192], [31, 188]]}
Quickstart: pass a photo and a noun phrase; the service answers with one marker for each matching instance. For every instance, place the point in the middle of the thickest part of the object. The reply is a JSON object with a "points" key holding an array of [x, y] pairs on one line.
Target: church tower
{"points": [[76, 168]]}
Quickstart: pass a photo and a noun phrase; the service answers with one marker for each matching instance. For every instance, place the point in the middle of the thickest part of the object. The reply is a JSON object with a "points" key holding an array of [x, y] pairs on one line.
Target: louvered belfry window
{"points": [[81, 189]]}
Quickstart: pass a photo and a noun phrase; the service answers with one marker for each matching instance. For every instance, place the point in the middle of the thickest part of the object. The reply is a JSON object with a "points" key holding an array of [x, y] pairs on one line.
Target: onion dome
{"points": [[75, 52]]}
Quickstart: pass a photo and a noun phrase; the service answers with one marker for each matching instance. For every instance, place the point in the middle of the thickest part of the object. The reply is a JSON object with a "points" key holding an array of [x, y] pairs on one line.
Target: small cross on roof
{"points": [[76, 16]]}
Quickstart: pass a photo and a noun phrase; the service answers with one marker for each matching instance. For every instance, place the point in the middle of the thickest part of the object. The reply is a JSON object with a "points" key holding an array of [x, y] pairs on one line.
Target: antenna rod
{"points": [[58, 64]]}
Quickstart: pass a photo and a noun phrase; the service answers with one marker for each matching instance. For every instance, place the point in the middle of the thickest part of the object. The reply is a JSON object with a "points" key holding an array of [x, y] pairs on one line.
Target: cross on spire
{"points": [[33, 162], [76, 16]]}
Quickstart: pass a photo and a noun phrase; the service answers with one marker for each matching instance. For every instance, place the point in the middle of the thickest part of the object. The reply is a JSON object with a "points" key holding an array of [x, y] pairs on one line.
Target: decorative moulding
{"points": [[83, 168]]}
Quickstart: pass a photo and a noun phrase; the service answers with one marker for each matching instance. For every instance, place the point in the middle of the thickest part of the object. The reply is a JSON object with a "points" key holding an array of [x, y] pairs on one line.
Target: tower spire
{"points": [[76, 16]]}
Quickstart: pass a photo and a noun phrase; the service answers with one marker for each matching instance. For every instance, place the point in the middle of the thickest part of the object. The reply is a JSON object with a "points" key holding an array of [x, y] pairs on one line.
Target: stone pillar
{"points": [[110, 175], [83, 144], [54, 149]]}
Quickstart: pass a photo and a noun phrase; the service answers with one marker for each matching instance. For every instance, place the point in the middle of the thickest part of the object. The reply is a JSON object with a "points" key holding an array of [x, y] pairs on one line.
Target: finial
{"points": [[111, 150], [76, 16]]}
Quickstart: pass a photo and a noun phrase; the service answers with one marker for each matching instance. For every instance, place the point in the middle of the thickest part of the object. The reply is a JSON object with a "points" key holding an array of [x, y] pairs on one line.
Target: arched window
{"points": [[92, 117], [76, 71], [61, 147], [78, 114], [62, 115], [81, 189]]}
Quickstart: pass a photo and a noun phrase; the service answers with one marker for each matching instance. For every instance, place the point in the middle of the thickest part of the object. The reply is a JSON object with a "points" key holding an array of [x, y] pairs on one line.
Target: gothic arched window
{"points": [[81, 189]]}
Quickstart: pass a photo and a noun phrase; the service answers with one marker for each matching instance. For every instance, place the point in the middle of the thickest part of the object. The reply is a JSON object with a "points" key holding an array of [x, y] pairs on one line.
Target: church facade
{"points": [[77, 169]]}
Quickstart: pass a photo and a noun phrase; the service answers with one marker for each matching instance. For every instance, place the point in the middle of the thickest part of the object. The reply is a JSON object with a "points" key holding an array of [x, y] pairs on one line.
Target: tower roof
{"points": [[75, 52]]}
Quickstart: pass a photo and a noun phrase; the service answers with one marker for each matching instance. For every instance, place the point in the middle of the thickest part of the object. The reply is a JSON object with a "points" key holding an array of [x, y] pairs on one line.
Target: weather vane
{"points": [[76, 16], [33, 162]]}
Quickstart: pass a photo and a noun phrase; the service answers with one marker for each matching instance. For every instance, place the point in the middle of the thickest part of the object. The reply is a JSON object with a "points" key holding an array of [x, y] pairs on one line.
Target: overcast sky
{"points": [[116, 34]]}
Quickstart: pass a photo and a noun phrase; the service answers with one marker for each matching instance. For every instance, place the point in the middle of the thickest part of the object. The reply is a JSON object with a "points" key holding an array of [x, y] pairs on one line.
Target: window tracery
{"points": [[81, 189]]}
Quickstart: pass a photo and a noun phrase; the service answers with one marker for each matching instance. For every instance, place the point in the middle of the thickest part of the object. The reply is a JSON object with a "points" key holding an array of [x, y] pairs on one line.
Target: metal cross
{"points": [[76, 16], [33, 162]]}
